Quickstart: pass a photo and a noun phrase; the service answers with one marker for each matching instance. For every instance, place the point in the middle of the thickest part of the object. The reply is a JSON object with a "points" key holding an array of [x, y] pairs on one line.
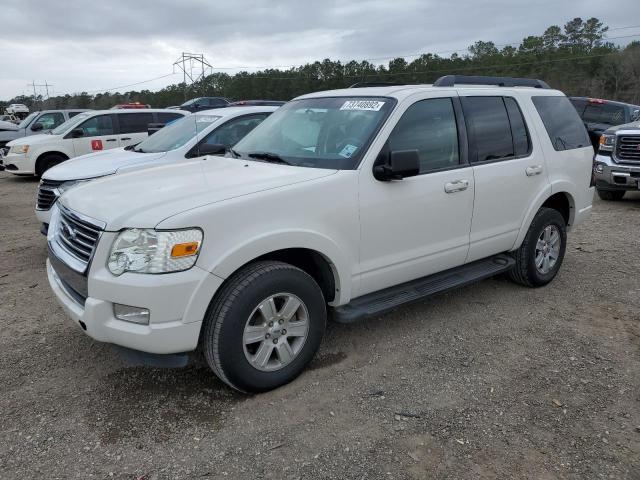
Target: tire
{"points": [[49, 161], [611, 195], [235, 309], [526, 271]]}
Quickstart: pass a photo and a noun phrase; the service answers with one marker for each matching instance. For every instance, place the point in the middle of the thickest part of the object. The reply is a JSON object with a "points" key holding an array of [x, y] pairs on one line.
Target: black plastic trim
{"points": [[453, 80]]}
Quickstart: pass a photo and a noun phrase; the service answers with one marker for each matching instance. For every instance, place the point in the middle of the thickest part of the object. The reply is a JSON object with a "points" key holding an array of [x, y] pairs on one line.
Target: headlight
{"points": [[151, 251], [19, 149], [67, 185], [607, 142]]}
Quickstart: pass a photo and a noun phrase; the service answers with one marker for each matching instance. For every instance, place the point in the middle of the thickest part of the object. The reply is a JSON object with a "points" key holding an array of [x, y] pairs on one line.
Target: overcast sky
{"points": [[78, 45]]}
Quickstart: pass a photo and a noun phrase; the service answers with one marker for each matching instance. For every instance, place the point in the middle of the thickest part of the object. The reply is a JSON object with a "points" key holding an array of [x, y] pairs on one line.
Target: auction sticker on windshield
{"points": [[370, 105]]}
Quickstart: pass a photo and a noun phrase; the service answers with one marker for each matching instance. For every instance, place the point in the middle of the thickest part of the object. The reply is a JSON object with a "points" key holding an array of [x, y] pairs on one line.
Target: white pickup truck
{"points": [[345, 203]]}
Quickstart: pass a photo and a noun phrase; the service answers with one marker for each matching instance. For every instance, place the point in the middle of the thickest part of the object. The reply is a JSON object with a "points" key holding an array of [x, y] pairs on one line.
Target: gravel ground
{"points": [[491, 381]]}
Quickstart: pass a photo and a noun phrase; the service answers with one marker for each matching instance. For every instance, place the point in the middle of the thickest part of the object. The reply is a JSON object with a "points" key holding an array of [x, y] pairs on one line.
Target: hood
{"points": [[40, 139], [625, 126], [99, 164], [8, 125], [144, 198]]}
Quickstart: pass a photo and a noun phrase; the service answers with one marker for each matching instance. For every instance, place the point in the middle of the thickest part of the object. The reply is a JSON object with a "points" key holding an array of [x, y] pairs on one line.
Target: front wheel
{"points": [[540, 256], [264, 326]]}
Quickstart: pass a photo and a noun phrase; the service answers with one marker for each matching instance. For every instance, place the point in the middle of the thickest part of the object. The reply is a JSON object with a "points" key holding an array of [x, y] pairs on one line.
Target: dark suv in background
{"points": [[204, 103], [598, 115]]}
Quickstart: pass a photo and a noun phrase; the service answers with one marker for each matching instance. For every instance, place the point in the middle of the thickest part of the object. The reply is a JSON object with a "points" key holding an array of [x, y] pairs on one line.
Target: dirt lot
{"points": [[491, 381]]}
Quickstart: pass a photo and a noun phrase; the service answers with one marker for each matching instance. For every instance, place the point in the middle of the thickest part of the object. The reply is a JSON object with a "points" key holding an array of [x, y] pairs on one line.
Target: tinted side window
{"points": [[564, 127], [579, 105], [168, 117], [488, 125], [134, 122], [608, 114], [428, 126], [98, 126], [521, 141], [73, 114], [51, 120], [234, 130]]}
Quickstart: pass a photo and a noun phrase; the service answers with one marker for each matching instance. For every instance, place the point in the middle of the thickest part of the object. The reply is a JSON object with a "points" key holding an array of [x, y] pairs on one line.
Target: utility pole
{"points": [[188, 62]]}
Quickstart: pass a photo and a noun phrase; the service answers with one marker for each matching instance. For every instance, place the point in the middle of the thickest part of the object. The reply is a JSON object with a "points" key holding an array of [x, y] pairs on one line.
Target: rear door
{"points": [[99, 133], [508, 168], [133, 127]]}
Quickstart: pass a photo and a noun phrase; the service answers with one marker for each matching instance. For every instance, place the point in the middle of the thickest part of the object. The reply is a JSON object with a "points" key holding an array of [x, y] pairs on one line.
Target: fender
{"points": [[559, 186], [226, 264]]}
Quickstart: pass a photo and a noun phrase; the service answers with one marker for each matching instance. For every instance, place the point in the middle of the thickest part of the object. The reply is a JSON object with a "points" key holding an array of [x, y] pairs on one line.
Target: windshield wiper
{"points": [[268, 157], [234, 153]]}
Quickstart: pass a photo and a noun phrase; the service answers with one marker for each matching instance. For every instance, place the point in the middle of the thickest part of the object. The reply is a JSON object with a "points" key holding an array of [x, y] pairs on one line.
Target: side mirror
{"points": [[77, 133], [209, 149], [400, 164], [36, 127]]}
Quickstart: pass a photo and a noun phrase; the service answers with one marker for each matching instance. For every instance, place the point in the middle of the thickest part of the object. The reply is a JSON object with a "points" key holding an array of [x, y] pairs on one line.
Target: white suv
{"points": [[348, 202], [85, 133], [203, 133]]}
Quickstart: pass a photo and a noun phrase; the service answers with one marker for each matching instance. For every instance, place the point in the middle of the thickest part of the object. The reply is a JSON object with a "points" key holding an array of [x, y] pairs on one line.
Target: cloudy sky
{"points": [[77, 45]]}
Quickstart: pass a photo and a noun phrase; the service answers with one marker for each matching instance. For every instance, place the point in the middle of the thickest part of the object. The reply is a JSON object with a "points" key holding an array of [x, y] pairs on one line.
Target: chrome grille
{"points": [[628, 149], [47, 194], [77, 236]]}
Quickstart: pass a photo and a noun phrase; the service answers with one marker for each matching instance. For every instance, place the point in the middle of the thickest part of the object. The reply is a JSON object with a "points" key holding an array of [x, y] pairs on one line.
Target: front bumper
{"points": [[616, 176], [44, 216], [177, 302], [18, 164]]}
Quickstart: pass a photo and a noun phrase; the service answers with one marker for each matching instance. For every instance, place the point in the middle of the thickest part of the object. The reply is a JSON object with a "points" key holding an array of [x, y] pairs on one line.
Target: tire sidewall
{"points": [[48, 162], [232, 359], [544, 219]]}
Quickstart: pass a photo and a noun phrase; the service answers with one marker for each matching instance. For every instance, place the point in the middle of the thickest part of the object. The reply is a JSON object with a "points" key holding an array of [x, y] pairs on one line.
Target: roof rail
{"points": [[451, 80], [375, 84]]}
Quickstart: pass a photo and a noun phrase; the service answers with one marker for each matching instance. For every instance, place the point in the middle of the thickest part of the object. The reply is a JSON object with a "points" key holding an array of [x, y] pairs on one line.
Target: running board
{"points": [[377, 303]]}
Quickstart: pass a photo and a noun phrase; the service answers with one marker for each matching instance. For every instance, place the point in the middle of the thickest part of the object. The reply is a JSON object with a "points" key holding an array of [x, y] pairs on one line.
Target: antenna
{"points": [[188, 62]]}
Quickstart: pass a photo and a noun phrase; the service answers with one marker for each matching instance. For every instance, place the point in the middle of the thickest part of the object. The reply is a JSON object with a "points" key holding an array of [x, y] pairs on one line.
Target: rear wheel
{"points": [[611, 195], [47, 162], [264, 327], [542, 251]]}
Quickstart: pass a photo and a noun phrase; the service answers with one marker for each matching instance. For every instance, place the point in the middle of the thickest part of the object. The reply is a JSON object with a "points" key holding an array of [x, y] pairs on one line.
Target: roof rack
{"points": [[375, 84], [451, 80]]}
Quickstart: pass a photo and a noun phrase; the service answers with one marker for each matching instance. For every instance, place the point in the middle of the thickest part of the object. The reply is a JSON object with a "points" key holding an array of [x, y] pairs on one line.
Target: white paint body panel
{"points": [[373, 234]]}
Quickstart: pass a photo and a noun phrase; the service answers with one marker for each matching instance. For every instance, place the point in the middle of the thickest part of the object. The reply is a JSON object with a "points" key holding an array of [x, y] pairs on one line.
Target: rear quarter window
{"points": [[563, 124]]}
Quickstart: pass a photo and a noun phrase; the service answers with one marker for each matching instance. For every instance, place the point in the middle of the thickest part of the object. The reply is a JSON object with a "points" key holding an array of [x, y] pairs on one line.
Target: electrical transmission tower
{"points": [[35, 94], [193, 66]]}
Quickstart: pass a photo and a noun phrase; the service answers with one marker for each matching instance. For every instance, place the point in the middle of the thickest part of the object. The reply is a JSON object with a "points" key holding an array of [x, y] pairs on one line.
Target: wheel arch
{"points": [[41, 157], [562, 201], [313, 253]]}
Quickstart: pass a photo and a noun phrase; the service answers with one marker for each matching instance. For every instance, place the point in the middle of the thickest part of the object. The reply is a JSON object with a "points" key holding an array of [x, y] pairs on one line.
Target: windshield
{"points": [[176, 134], [25, 123], [330, 132], [607, 114], [70, 124]]}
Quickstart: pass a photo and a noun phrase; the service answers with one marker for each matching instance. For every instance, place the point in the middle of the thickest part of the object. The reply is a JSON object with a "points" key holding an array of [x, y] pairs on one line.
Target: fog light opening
{"points": [[83, 325], [131, 314]]}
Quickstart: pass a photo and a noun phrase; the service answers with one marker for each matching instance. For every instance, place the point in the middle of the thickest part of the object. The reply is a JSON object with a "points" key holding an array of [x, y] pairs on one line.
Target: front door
{"points": [[98, 134], [420, 225]]}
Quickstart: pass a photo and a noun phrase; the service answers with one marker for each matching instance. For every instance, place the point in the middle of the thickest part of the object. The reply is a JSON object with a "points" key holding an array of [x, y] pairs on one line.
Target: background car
{"points": [[204, 103], [598, 115], [207, 132], [249, 103], [36, 123], [85, 133]]}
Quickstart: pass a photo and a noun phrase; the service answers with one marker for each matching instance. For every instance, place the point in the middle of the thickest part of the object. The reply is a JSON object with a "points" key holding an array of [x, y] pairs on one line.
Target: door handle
{"points": [[533, 170], [110, 139], [125, 138], [456, 186]]}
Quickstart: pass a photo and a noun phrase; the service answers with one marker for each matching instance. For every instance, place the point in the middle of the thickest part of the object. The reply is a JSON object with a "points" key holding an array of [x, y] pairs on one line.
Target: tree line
{"points": [[576, 59]]}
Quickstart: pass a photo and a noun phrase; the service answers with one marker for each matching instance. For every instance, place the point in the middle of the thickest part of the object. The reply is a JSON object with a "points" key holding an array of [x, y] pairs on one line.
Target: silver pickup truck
{"points": [[617, 163]]}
